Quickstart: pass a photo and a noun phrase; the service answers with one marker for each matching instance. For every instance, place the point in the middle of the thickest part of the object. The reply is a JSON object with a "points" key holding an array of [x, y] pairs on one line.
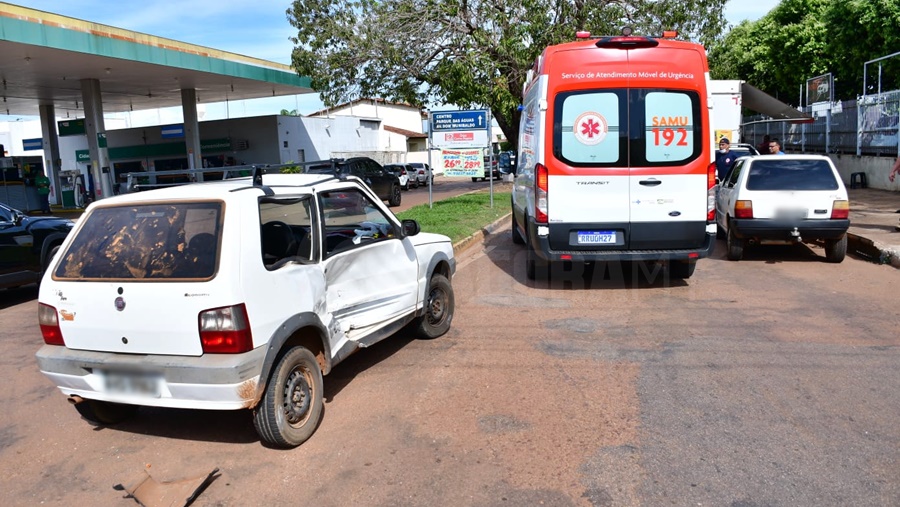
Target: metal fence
{"points": [[866, 126]]}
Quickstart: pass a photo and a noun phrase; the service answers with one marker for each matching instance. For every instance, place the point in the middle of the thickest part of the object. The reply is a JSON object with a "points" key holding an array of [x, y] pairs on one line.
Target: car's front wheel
{"points": [[836, 249], [291, 408], [735, 246], [395, 196], [438, 308]]}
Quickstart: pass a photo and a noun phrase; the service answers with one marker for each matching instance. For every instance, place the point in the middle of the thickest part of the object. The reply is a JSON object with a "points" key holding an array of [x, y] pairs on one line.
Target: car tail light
{"points": [[225, 330], [540, 193], [840, 210], [711, 192], [743, 209], [49, 321]]}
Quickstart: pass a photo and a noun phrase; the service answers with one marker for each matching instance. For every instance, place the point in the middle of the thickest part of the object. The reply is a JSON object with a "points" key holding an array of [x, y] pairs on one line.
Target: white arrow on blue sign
{"points": [[444, 121], [32, 144], [171, 131]]}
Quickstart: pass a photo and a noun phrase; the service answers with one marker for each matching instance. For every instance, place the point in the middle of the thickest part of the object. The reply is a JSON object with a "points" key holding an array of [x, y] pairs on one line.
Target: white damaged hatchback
{"points": [[238, 294]]}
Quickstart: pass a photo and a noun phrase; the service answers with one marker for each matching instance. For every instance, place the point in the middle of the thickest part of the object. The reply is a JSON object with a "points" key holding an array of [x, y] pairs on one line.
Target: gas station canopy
{"points": [[44, 57]]}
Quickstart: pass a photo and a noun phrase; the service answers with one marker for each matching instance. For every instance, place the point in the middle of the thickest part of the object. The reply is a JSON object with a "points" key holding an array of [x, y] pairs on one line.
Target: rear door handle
{"points": [[650, 183]]}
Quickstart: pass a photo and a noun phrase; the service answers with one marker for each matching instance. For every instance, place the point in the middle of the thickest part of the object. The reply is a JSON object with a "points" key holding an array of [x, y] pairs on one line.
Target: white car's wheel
{"points": [[735, 246], [291, 408], [105, 412], [439, 307], [836, 249]]}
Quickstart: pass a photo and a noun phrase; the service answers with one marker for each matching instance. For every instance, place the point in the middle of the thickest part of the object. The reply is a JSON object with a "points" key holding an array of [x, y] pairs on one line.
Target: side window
{"points": [[352, 220], [732, 178], [588, 129], [373, 169], [286, 232], [357, 169]]}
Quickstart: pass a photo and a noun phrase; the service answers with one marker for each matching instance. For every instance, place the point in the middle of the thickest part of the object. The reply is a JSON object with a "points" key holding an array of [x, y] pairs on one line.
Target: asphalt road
{"points": [[766, 382]]}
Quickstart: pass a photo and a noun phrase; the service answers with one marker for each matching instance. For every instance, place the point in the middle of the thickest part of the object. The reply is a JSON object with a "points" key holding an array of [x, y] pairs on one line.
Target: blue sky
{"points": [[257, 28]]}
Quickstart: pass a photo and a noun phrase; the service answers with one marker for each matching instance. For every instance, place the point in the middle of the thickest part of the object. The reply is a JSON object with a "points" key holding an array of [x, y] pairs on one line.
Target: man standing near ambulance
{"points": [[724, 158]]}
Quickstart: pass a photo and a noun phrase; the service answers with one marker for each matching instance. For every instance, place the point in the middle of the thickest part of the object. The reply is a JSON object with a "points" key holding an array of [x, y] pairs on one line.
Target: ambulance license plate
{"points": [[596, 237]]}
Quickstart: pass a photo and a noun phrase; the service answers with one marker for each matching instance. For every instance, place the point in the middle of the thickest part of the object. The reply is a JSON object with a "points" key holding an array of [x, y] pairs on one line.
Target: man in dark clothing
{"points": [[724, 158]]}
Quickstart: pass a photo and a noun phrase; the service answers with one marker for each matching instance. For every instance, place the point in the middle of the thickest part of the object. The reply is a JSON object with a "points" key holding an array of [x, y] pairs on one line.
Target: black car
{"points": [[27, 244], [386, 185]]}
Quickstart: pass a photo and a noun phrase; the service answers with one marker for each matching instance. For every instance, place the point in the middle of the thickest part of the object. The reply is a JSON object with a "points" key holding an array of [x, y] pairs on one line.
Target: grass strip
{"points": [[460, 216]]}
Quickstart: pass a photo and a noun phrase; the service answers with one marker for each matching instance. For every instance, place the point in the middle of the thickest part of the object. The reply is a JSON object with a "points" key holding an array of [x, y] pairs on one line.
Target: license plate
{"points": [[789, 213], [596, 237], [136, 383]]}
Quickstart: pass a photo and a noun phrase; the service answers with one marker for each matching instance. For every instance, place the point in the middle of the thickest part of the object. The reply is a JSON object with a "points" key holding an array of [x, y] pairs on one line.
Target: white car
{"points": [[405, 173], [422, 173], [235, 294], [783, 199]]}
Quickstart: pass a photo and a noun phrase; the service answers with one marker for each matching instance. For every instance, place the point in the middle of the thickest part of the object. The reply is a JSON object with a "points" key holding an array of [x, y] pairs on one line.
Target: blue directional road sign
{"points": [[33, 144], [447, 121]]}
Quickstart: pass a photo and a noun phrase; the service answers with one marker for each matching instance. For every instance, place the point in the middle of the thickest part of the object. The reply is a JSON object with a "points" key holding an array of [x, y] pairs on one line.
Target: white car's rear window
{"points": [[777, 173], [150, 241]]}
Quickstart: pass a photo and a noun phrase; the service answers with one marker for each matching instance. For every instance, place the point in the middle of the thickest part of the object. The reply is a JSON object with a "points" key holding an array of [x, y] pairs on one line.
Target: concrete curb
{"points": [[464, 243], [873, 250]]}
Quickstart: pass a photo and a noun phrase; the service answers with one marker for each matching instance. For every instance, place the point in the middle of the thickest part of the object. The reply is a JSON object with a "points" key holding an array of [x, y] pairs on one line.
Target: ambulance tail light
{"points": [[840, 210], [711, 193], [225, 330], [743, 209], [49, 322], [541, 176]]}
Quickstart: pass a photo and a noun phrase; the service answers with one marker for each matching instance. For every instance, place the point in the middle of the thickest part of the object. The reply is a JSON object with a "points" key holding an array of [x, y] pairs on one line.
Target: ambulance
{"points": [[615, 158]]}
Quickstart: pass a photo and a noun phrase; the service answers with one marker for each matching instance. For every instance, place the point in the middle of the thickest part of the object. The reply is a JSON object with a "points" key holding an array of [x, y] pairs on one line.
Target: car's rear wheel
{"points": [[836, 249], [395, 196], [535, 267], [516, 235], [735, 246], [291, 408], [105, 412], [439, 308], [681, 269]]}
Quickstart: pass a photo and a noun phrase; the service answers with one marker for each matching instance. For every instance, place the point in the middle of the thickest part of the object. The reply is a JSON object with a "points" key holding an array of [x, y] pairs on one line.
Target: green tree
{"points": [[801, 39], [860, 31], [472, 53]]}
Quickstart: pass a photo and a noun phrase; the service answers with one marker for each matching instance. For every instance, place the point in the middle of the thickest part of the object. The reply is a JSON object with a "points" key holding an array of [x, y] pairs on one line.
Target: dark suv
{"points": [[27, 244], [385, 184]]}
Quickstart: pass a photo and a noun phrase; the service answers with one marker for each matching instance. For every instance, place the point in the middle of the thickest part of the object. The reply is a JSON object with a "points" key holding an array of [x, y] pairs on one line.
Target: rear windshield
{"points": [[627, 127], [151, 241], [777, 174]]}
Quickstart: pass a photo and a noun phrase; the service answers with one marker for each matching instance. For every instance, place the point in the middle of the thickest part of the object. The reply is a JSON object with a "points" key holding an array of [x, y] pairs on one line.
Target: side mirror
{"points": [[410, 227], [17, 220]]}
